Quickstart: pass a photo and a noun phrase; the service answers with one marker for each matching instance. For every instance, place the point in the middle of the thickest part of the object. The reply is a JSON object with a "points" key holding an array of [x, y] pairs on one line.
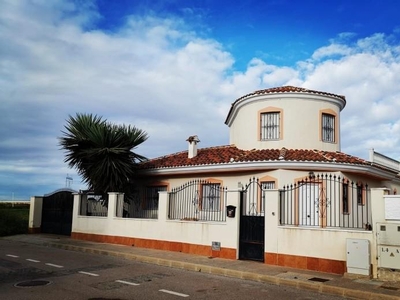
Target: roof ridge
{"points": [[289, 89]]}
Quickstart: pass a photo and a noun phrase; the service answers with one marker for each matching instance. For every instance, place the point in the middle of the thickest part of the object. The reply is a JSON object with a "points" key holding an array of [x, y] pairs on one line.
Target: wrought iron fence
{"points": [[198, 200], [142, 204], [326, 201], [94, 205]]}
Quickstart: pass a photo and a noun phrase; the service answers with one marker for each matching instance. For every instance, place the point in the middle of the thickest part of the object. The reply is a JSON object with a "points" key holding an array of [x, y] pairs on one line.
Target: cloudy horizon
{"points": [[174, 70]]}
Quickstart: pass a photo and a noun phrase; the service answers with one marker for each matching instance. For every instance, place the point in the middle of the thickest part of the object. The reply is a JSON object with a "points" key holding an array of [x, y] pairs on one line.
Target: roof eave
{"points": [[371, 170]]}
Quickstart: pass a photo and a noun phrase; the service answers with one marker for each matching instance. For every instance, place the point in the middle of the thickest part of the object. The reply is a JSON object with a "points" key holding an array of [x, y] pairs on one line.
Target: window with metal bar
{"points": [[360, 194], [270, 126], [265, 185], [345, 198], [328, 128], [211, 197]]}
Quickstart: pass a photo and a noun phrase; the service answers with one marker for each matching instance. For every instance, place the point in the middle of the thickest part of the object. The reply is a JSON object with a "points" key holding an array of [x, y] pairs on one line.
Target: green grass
{"points": [[13, 218]]}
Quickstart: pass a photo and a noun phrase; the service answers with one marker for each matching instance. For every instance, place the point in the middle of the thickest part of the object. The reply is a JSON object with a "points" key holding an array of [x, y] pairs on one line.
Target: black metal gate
{"points": [[252, 221], [57, 212]]}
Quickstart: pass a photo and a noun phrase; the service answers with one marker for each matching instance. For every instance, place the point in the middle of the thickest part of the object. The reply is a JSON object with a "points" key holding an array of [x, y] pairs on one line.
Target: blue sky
{"points": [[173, 68]]}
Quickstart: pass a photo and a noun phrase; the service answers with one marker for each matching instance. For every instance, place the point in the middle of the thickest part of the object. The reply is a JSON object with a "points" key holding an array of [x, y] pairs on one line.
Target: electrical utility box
{"points": [[358, 256], [388, 236]]}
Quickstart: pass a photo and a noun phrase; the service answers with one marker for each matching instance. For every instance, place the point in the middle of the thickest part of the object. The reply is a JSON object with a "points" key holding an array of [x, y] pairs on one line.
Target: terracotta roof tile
{"points": [[283, 89], [289, 89], [231, 154]]}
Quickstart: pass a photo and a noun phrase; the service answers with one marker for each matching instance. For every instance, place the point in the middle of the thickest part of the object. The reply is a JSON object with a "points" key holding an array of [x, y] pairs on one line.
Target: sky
{"points": [[173, 68]]}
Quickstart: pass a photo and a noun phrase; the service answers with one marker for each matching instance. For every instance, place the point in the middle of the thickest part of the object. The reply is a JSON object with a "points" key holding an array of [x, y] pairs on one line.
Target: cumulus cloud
{"points": [[163, 77], [367, 73]]}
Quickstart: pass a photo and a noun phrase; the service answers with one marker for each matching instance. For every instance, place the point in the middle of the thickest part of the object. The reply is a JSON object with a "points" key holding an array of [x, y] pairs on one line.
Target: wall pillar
{"points": [[162, 206], [76, 209], [378, 215], [271, 226], [35, 214], [112, 205]]}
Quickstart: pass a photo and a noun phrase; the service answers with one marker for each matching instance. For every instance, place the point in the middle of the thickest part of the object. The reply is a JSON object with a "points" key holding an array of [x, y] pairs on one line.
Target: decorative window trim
{"points": [[361, 194], [265, 111], [345, 198], [261, 205], [336, 125], [211, 181]]}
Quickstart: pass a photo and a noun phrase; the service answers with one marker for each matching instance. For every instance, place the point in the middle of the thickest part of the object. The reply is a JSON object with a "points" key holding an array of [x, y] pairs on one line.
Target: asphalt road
{"points": [[36, 272]]}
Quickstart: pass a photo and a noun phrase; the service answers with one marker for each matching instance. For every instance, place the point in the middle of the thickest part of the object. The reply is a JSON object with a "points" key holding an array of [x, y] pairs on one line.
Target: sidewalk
{"points": [[350, 287]]}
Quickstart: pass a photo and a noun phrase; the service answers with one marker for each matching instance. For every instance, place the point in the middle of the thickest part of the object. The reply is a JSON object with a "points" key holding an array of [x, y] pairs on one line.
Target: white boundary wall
{"points": [[162, 229], [298, 241]]}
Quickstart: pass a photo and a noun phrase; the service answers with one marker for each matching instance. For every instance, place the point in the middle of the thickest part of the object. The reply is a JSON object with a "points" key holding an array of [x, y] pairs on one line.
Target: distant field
{"points": [[14, 218]]}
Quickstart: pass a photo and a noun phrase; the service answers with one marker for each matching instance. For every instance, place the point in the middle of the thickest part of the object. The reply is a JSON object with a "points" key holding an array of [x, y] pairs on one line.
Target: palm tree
{"points": [[102, 152]]}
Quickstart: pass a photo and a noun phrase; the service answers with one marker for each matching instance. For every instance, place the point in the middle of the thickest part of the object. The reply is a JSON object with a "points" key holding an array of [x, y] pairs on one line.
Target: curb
{"points": [[305, 285]]}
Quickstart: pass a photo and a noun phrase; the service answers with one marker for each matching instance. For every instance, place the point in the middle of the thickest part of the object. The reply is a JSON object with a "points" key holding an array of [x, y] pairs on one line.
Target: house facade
{"points": [[280, 193]]}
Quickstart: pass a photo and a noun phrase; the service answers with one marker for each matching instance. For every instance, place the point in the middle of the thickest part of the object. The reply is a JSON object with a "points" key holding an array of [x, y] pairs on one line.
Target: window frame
{"points": [[361, 194], [279, 124], [213, 193], [265, 185], [334, 134], [345, 198]]}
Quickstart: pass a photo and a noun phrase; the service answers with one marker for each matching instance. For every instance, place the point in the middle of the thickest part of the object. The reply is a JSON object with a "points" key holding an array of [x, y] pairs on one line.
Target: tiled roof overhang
{"points": [[231, 159], [289, 91]]}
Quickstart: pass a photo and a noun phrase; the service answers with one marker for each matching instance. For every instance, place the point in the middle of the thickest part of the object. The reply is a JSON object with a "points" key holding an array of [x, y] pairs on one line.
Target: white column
{"points": [[112, 205], [271, 221], [378, 215], [75, 210], [35, 213], [162, 206], [233, 223]]}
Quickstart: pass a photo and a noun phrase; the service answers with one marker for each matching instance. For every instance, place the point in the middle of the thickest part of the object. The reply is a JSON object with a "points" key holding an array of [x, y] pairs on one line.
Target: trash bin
{"points": [[230, 211]]}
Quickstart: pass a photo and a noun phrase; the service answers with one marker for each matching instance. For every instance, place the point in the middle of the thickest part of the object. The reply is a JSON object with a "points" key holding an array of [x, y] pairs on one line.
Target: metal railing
{"points": [[198, 200], [141, 204], [94, 205], [326, 201]]}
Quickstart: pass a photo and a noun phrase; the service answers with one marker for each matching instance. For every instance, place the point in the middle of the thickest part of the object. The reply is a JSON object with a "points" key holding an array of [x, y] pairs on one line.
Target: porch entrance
{"points": [[252, 221], [57, 212]]}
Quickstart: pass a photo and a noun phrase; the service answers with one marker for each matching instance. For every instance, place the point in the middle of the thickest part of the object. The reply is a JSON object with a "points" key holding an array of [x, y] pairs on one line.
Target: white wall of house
{"points": [[301, 124]]}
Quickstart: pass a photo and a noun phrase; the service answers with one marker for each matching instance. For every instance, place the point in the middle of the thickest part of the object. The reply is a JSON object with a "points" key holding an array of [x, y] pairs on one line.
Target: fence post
{"points": [[35, 214], [76, 210], [162, 206], [112, 205], [234, 199], [378, 215], [272, 215]]}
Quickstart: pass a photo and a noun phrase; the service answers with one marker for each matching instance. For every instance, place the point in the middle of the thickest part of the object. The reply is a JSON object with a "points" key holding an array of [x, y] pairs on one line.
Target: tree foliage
{"points": [[102, 152]]}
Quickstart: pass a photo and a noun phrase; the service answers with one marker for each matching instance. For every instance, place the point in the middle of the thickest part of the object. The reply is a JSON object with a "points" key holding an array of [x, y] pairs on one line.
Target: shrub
{"points": [[14, 219]]}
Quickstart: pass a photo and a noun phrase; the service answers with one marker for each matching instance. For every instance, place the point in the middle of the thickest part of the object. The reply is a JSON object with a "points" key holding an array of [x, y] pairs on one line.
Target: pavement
{"points": [[348, 286]]}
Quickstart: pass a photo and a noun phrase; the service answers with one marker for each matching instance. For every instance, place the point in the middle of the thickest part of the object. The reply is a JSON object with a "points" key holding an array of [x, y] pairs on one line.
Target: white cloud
{"points": [[368, 75], [162, 77]]}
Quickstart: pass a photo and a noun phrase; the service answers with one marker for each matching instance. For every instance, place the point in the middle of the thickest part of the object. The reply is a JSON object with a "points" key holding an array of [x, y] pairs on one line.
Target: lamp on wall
{"points": [[311, 174]]}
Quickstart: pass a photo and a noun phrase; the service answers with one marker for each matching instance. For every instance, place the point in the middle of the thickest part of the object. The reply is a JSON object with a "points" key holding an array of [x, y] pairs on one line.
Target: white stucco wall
{"points": [[325, 243], [197, 233], [301, 122]]}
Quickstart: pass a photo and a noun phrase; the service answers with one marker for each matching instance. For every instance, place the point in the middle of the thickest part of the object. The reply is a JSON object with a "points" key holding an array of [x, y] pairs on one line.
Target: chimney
{"points": [[193, 140]]}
